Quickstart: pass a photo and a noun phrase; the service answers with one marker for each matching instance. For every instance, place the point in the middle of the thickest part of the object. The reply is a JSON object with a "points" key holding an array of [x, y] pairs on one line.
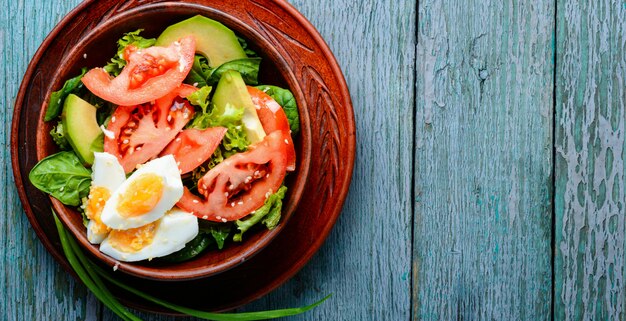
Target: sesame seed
{"points": [[205, 217], [125, 141], [178, 164], [252, 212], [226, 194], [169, 118], [218, 217], [84, 56], [203, 186], [138, 148], [178, 139], [195, 201], [268, 175], [286, 142], [240, 203], [224, 220], [199, 159], [113, 119], [185, 115], [232, 204]]}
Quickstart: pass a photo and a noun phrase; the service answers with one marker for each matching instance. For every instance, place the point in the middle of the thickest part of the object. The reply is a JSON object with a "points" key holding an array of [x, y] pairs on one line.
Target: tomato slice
{"points": [[151, 73], [141, 132], [192, 147], [240, 184], [273, 118]]}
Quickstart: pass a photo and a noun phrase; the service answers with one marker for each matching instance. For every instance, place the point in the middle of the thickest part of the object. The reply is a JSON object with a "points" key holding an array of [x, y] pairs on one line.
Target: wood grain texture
{"points": [[32, 286], [365, 261], [483, 160], [590, 183]]}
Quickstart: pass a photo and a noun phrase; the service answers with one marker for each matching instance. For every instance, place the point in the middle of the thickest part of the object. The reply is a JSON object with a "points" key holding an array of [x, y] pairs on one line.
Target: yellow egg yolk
{"points": [[134, 239], [95, 203], [141, 196]]}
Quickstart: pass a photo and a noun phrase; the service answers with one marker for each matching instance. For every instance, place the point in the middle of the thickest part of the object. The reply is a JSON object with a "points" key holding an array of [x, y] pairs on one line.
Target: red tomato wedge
{"points": [[151, 73], [273, 118], [240, 184], [141, 132], [192, 147]]}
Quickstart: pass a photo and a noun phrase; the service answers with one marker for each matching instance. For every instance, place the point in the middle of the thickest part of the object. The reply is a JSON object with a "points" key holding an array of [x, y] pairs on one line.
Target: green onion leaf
{"points": [[91, 275]]}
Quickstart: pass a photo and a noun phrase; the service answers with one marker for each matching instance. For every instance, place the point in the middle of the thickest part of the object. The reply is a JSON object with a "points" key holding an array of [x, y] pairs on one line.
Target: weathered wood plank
{"points": [[590, 141], [366, 260], [32, 285], [483, 160]]}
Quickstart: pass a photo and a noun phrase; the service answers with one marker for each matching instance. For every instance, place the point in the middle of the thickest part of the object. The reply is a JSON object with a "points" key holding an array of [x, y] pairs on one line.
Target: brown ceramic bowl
{"points": [[96, 48], [295, 56]]}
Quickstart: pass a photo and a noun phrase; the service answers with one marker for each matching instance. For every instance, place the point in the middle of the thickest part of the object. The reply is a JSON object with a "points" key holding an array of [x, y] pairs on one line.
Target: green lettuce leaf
{"points": [[63, 176], [218, 231], [131, 38], [268, 214], [57, 98], [58, 134], [285, 99]]}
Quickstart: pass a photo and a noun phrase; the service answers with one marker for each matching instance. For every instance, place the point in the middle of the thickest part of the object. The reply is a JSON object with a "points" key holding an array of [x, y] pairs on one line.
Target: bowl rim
{"points": [[39, 217]]}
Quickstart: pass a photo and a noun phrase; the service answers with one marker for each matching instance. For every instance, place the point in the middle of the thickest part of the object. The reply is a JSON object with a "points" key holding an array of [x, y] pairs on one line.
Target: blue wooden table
{"points": [[490, 176]]}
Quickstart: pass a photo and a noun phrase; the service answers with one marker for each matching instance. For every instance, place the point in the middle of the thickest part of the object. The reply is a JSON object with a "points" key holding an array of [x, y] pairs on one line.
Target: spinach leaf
{"points": [[200, 72], [191, 249], [131, 38], [285, 99], [247, 67], [57, 98], [269, 214], [63, 176], [58, 134]]}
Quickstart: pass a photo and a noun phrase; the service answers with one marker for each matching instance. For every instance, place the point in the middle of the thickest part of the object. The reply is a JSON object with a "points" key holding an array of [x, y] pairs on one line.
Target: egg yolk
{"points": [[95, 203], [134, 239], [141, 196]]}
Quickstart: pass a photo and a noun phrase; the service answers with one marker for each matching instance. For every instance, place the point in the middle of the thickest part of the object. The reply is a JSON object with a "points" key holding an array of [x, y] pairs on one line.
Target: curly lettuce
{"points": [[268, 214]]}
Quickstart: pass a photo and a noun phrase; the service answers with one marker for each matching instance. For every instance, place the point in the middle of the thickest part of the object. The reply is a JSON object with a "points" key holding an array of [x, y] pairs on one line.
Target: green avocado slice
{"points": [[213, 40], [83, 132], [231, 90]]}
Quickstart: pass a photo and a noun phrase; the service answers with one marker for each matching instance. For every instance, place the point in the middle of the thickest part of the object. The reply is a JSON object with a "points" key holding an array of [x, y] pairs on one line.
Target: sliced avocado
{"points": [[79, 120], [232, 90], [213, 40]]}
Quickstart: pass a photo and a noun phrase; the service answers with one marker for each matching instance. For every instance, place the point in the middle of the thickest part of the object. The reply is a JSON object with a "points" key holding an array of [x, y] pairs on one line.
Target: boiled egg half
{"points": [[145, 196], [106, 176], [159, 238]]}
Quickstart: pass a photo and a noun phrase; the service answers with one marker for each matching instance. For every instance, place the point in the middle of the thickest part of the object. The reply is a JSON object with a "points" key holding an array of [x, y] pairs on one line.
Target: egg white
{"points": [[166, 168], [107, 173], [175, 229]]}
